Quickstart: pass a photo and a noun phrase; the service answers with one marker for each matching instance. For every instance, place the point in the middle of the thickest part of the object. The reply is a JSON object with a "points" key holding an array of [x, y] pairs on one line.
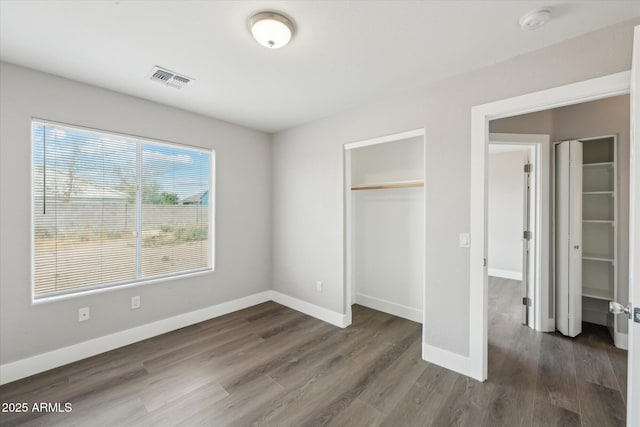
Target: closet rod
{"points": [[385, 186]]}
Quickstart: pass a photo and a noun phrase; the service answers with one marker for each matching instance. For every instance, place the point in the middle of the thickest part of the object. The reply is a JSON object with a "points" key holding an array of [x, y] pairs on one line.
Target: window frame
{"points": [[100, 288]]}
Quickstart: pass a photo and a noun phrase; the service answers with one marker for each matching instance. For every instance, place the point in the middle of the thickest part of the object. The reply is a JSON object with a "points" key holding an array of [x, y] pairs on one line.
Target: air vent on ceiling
{"points": [[169, 78]]}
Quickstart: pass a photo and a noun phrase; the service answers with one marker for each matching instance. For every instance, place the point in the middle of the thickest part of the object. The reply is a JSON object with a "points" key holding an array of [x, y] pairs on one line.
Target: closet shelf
{"points": [[595, 165], [604, 294], [389, 184], [597, 192], [598, 221], [597, 258]]}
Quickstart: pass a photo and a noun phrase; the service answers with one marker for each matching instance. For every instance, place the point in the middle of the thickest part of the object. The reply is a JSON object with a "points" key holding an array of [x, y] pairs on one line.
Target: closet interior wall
{"points": [[386, 194]]}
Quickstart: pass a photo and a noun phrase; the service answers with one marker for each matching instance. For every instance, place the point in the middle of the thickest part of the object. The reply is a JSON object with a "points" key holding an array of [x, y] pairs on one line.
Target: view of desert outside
{"points": [[86, 195]]}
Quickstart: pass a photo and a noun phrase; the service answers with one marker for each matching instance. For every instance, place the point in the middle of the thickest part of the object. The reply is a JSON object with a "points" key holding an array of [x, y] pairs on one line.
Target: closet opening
{"points": [[385, 228]]}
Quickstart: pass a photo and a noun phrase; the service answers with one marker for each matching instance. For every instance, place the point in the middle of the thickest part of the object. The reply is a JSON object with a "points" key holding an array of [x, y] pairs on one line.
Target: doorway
{"points": [[593, 349], [524, 164], [599, 88], [598, 134]]}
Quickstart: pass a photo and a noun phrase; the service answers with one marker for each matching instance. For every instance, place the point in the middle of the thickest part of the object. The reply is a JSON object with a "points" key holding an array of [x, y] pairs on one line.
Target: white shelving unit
{"points": [[599, 218]]}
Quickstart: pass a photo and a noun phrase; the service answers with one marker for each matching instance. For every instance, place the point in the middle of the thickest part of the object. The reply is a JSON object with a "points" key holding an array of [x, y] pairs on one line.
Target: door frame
{"points": [[633, 367], [574, 93], [540, 255]]}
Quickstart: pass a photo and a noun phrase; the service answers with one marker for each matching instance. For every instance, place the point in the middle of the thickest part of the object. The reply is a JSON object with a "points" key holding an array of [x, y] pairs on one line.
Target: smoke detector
{"points": [[535, 19], [168, 78]]}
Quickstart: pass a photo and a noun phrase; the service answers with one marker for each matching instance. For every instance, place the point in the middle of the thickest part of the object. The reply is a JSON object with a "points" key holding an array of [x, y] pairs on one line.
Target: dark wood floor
{"points": [[269, 365]]}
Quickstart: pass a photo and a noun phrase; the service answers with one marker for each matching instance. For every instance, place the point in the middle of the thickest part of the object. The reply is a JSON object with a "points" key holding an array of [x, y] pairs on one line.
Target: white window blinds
{"points": [[111, 209]]}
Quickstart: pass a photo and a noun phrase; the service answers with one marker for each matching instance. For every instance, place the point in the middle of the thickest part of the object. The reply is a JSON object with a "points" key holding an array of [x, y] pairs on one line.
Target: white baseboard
{"points": [[324, 314], [389, 307], [446, 359], [621, 340], [505, 274], [42, 362]]}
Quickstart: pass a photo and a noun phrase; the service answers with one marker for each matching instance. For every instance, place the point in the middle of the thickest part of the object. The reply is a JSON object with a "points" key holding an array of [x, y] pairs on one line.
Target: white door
{"points": [[568, 220], [633, 383], [575, 240], [526, 238]]}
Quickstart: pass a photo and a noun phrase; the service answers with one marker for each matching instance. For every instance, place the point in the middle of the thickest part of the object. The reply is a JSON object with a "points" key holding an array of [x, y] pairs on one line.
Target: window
{"points": [[112, 209]]}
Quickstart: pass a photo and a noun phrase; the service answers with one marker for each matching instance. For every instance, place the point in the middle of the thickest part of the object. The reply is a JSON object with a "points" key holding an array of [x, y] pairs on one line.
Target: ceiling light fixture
{"points": [[271, 29], [535, 19]]}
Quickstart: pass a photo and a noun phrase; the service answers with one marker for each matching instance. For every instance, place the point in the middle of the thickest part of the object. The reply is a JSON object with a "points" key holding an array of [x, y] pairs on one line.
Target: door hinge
{"points": [[528, 168], [526, 235], [526, 301]]}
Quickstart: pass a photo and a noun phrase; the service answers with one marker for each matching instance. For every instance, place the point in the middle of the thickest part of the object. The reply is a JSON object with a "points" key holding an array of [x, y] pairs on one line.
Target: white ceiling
{"points": [[344, 54]]}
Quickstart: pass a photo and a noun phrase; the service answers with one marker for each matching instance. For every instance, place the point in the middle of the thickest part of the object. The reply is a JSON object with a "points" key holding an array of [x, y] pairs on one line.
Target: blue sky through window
{"points": [[110, 160]]}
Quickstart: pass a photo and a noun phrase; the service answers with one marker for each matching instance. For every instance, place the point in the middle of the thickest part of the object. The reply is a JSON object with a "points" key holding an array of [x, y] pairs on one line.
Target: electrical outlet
{"points": [[83, 314], [135, 302], [319, 286]]}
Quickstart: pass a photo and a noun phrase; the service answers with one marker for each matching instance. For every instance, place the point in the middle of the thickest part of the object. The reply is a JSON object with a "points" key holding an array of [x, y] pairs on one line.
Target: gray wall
{"points": [[243, 241], [308, 175], [597, 118]]}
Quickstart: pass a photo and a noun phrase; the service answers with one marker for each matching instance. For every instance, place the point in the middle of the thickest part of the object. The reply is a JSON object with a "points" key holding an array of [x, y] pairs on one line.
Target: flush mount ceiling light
{"points": [[535, 19], [271, 29]]}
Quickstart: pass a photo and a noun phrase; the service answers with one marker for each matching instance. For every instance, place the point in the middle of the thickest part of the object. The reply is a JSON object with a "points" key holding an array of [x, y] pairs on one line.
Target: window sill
{"points": [[56, 298]]}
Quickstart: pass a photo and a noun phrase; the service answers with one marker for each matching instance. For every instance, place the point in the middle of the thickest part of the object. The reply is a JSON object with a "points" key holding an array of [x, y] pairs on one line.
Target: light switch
{"points": [[465, 240]]}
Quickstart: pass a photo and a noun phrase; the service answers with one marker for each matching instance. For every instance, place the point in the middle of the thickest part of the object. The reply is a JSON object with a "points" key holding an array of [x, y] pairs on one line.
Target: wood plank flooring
{"points": [[269, 365]]}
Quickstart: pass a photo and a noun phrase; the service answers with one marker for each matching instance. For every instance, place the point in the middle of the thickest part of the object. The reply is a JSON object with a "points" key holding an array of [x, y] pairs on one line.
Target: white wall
{"points": [[608, 116], [388, 257], [391, 161], [243, 262], [506, 195], [308, 199], [388, 228]]}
